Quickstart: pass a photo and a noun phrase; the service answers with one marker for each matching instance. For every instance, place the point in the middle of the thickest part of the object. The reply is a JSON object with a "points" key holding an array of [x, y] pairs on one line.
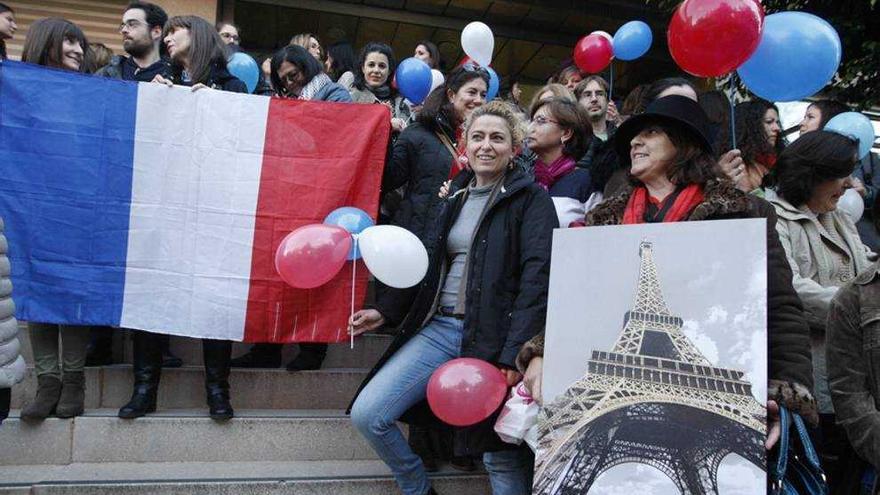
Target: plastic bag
{"points": [[520, 414]]}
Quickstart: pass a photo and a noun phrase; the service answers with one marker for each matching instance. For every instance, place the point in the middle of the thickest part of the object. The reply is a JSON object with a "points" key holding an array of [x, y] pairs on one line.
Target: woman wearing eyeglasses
{"points": [[558, 133], [297, 74]]}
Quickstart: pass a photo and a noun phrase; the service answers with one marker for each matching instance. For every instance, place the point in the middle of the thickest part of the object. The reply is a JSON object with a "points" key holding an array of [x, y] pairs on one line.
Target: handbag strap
{"points": [[807, 444], [777, 473], [447, 143]]}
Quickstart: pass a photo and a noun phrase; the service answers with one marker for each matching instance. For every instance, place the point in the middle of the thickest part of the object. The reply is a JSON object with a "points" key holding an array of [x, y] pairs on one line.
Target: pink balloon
{"points": [[312, 255], [465, 391]]}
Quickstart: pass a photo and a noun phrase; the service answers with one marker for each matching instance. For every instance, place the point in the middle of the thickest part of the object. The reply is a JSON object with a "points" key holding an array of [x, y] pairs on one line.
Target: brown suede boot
{"points": [[45, 400], [73, 395]]}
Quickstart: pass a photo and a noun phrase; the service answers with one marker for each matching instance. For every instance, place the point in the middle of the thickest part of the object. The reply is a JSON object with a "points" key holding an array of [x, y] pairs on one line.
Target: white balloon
{"points": [[852, 204], [436, 79], [478, 43], [394, 255]]}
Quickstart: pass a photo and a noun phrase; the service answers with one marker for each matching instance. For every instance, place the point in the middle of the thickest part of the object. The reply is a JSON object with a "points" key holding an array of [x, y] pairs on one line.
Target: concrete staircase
{"points": [[289, 435]]}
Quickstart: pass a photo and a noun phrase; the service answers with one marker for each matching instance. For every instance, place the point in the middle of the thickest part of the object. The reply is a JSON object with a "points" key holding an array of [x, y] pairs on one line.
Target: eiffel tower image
{"points": [[653, 399]]}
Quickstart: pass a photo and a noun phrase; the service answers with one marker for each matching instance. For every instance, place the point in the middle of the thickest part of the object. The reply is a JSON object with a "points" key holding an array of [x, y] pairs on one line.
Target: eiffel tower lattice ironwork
{"points": [[654, 399]]}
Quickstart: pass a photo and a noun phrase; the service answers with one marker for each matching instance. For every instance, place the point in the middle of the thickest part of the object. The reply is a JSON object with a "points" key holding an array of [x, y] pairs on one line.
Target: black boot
{"points": [[147, 370], [169, 360], [260, 356], [310, 357], [100, 350], [218, 354], [73, 395], [5, 400], [46, 400]]}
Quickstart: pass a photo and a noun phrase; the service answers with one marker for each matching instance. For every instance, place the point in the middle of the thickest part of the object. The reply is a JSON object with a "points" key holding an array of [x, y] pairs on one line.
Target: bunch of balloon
{"points": [[857, 127], [711, 38], [465, 391]]}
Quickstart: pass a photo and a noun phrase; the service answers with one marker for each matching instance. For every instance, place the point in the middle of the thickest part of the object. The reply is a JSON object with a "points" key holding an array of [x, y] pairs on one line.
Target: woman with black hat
{"points": [[674, 177]]}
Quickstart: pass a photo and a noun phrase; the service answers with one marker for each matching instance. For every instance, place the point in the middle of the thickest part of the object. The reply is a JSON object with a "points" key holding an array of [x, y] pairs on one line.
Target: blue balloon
{"points": [[494, 84], [798, 55], [242, 66], [354, 220], [632, 40], [414, 80], [856, 126]]}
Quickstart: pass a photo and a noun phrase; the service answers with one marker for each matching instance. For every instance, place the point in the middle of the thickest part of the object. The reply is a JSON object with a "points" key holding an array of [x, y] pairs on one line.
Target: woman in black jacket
{"points": [[198, 59], [484, 295]]}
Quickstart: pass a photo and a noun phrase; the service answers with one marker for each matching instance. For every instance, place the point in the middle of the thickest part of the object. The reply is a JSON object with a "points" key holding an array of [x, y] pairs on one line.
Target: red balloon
{"points": [[465, 391], [593, 53], [709, 38], [312, 255]]}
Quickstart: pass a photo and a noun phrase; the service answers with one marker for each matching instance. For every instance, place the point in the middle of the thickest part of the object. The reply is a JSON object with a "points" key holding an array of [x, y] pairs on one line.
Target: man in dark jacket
{"points": [[600, 159], [853, 349], [141, 31]]}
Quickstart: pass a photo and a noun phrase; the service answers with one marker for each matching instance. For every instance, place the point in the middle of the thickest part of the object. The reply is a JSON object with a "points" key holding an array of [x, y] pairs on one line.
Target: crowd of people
{"points": [[483, 184]]}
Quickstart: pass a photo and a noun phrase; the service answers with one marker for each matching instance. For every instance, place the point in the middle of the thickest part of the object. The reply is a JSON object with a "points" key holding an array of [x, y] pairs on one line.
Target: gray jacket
{"points": [[12, 366]]}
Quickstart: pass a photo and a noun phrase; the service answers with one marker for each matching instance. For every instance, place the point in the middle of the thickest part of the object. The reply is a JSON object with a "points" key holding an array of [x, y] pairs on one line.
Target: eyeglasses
{"points": [[230, 36], [541, 120], [131, 24]]}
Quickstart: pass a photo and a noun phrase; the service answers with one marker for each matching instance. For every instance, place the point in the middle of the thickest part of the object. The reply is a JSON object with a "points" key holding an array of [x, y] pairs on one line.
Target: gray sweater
{"points": [[458, 243]]}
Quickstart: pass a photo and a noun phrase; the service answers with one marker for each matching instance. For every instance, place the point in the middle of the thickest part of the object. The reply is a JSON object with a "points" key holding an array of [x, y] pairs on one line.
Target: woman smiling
{"points": [[372, 83]]}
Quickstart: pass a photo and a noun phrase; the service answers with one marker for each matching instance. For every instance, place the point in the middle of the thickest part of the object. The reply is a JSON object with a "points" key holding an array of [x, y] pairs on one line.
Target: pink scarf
{"points": [[547, 175]]}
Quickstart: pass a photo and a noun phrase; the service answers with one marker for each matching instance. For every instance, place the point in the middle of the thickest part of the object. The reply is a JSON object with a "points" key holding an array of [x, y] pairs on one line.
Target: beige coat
{"points": [[817, 274]]}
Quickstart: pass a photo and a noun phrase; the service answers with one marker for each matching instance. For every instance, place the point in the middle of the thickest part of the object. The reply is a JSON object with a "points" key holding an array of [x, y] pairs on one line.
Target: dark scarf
{"points": [[382, 93]]}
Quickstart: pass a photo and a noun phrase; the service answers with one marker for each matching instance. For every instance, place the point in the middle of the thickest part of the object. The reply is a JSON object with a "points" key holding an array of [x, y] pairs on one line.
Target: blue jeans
{"points": [[400, 384], [510, 471]]}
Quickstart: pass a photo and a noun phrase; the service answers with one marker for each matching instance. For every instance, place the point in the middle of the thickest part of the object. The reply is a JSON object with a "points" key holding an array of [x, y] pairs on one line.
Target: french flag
{"points": [[155, 208]]}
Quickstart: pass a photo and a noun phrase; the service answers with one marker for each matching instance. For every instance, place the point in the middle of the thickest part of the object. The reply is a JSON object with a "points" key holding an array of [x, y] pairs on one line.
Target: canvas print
{"points": [[655, 364]]}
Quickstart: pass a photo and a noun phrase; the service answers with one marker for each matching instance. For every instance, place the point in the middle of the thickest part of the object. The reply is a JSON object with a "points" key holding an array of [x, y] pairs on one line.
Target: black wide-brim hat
{"points": [[676, 111]]}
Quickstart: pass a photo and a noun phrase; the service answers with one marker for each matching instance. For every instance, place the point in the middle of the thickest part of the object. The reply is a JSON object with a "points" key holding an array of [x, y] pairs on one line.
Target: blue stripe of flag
{"points": [[66, 154]]}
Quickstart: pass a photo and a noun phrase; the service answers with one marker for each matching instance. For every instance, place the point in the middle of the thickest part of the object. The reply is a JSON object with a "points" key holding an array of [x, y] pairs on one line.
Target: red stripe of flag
{"points": [[318, 156]]}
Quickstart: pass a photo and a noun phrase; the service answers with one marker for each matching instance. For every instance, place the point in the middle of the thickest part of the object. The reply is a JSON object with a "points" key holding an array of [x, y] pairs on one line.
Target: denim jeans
{"points": [[510, 471], [400, 384]]}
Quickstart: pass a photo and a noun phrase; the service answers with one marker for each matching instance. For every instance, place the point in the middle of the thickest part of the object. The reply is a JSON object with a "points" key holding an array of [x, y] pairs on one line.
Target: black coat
{"points": [[790, 364], [507, 282], [219, 78], [125, 68]]}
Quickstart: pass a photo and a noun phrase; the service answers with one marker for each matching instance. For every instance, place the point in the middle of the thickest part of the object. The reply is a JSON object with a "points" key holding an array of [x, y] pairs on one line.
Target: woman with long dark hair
{"points": [[428, 53], [372, 83], [198, 55], [7, 27], [341, 63], [759, 139], [819, 113], [60, 44]]}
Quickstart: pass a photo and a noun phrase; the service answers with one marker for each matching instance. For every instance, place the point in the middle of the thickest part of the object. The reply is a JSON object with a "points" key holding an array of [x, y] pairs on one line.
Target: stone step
{"points": [[367, 350], [184, 388], [183, 436], [222, 478]]}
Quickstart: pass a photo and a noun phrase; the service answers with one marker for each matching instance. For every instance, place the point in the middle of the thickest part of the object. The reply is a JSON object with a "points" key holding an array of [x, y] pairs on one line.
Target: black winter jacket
{"points": [[125, 68], [219, 78], [507, 283]]}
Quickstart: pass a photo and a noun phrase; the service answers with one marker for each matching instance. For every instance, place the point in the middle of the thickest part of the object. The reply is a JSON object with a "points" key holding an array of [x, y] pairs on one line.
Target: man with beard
{"points": [[141, 31], [600, 158]]}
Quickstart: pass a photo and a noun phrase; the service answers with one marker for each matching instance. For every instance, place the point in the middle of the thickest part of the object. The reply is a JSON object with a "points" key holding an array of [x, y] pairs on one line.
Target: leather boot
{"points": [[310, 357], [73, 394], [45, 401], [217, 355], [147, 370]]}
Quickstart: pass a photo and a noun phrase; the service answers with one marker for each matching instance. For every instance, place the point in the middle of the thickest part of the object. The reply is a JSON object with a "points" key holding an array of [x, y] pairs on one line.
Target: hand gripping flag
{"points": [[156, 208]]}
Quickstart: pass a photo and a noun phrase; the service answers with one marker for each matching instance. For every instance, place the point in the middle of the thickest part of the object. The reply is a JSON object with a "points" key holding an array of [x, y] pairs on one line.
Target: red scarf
{"points": [[683, 203], [547, 175], [767, 159]]}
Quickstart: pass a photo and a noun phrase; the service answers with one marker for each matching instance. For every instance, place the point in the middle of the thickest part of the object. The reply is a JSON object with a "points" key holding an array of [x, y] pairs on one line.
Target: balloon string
{"points": [[354, 263], [732, 111], [611, 81]]}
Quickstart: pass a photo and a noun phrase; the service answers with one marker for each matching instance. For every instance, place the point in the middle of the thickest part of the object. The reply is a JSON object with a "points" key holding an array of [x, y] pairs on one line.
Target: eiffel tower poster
{"points": [[655, 361]]}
